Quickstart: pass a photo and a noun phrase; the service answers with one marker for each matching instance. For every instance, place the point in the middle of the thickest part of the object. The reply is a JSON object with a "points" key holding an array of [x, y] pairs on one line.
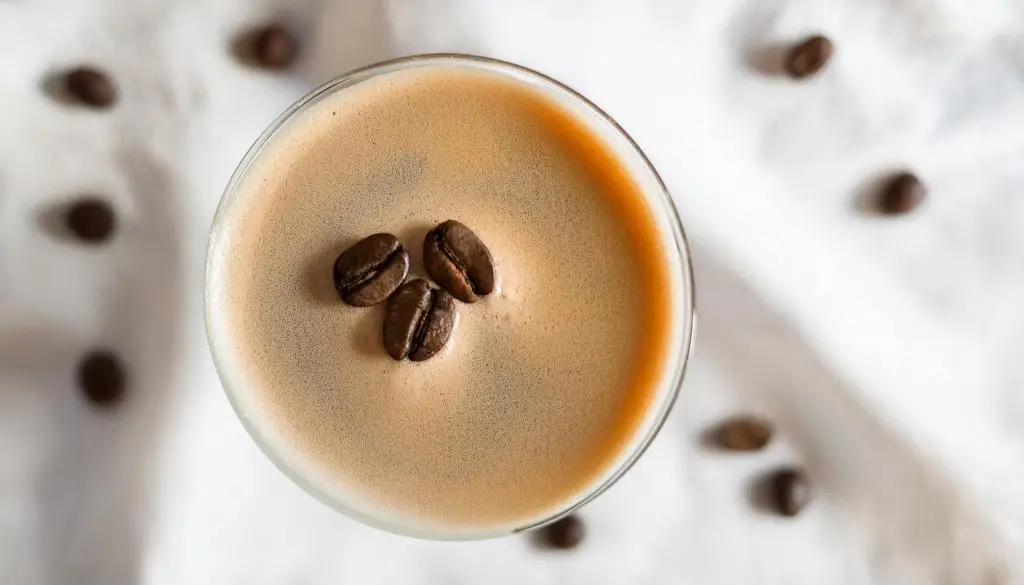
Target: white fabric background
{"points": [[887, 349]]}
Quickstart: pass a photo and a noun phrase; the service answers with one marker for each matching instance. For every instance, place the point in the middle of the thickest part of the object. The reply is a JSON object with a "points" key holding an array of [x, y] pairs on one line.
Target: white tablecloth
{"points": [[887, 349]]}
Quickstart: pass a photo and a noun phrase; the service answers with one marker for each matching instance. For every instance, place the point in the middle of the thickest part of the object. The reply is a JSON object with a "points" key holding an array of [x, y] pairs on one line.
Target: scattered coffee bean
{"points": [[90, 87], [458, 261], [419, 321], [369, 271], [563, 534], [743, 434], [808, 57], [902, 194], [101, 378], [790, 491], [274, 47], [92, 220]]}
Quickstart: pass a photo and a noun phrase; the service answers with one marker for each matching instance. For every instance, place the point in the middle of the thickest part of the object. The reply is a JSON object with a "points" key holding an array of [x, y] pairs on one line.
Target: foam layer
{"points": [[545, 381]]}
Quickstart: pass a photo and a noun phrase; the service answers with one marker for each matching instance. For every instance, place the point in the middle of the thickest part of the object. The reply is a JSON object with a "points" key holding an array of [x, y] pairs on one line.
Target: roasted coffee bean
{"points": [[790, 491], [368, 272], [90, 87], [901, 194], [274, 47], [91, 219], [745, 433], [419, 321], [563, 534], [101, 378], [458, 261], [808, 57]]}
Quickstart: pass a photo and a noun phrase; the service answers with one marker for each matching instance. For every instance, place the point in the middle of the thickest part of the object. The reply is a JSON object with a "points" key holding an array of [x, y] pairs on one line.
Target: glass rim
{"points": [[645, 434]]}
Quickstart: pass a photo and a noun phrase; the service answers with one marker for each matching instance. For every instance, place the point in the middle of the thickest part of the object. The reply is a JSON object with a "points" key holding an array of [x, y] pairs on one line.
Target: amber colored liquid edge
{"points": [[627, 200]]}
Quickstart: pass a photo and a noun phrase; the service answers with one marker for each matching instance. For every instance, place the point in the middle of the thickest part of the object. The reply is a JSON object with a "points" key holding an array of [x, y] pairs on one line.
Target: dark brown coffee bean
{"points": [[90, 87], [790, 491], [92, 220], [369, 271], [436, 329], [901, 194], [808, 57], [458, 261], [419, 321], [274, 47], [563, 534], [743, 434], [101, 378]]}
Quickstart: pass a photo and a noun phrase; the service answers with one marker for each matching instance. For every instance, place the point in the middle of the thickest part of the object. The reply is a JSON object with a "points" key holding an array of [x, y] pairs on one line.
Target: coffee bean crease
{"points": [[809, 57], [458, 261], [369, 271], [419, 321]]}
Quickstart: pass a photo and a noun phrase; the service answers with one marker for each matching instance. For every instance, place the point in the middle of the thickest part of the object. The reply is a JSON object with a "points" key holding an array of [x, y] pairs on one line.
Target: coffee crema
{"points": [[545, 383]]}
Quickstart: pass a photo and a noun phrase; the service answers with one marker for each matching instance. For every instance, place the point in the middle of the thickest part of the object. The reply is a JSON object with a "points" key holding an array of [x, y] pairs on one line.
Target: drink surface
{"points": [[545, 382]]}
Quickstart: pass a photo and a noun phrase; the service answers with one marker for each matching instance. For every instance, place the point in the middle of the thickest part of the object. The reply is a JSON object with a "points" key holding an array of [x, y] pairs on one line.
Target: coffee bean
{"points": [[808, 57], [274, 47], [369, 271], [92, 220], [901, 194], [743, 434], [90, 87], [790, 491], [419, 321], [101, 378], [563, 534], [458, 261]]}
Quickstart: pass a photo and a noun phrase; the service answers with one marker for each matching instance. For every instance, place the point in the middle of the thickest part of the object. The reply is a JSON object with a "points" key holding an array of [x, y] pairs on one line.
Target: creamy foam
{"points": [[545, 382]]}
